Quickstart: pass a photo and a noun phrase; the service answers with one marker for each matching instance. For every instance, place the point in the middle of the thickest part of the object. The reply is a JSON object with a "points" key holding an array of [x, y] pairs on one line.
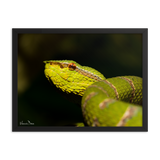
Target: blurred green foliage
{"points": [[111, 54]]}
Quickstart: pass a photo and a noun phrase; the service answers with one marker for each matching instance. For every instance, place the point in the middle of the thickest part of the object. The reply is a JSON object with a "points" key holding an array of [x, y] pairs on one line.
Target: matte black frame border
{"points": [[16, 31]]}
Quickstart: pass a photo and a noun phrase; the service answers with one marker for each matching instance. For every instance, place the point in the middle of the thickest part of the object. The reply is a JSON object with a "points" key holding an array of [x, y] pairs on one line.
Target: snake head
{"points": [[71, 77]]}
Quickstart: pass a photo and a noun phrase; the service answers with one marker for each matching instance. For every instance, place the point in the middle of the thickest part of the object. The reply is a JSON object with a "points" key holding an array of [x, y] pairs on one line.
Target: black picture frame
{"points": [[13, 35]]}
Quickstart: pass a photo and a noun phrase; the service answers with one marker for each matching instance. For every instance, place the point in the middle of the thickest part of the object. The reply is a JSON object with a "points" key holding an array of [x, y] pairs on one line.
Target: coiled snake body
{"points": [[105, 102]]}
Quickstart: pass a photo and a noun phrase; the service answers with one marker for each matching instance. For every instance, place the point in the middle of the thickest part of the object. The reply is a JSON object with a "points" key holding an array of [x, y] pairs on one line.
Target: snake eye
{"points": [[72, 66]]}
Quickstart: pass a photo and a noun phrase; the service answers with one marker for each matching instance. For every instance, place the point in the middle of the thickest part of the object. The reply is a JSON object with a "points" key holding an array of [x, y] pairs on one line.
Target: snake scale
{"points": [[113, 102]]}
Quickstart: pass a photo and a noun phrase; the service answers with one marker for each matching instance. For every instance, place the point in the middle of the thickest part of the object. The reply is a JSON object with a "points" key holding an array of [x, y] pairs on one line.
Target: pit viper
{"points": [[111, 102]]}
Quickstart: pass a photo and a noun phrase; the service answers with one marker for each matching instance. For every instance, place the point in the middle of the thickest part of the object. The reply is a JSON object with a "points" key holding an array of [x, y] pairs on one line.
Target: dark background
{"points": [[111, 54]]}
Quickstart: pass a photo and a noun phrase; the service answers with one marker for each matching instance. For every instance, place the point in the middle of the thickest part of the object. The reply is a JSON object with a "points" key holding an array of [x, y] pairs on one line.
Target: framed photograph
{"points": [[80, 79]]}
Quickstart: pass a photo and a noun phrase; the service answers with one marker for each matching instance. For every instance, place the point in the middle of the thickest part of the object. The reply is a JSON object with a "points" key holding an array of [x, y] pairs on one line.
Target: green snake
{"points": [[112, 102]]}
